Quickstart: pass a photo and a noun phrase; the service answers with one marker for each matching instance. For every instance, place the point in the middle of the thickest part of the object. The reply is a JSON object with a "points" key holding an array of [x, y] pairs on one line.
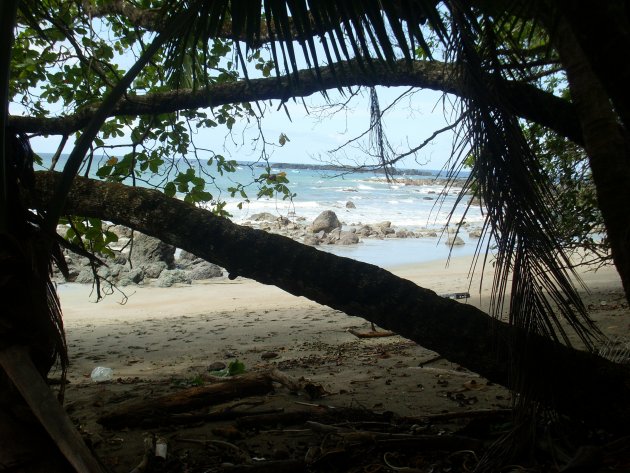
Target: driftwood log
{"points": [[187, 400]]}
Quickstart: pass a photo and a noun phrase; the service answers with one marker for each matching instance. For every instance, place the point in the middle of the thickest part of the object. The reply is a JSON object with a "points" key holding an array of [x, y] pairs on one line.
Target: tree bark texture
{"points": [[607, 145], [576, 383], [525, 100]]}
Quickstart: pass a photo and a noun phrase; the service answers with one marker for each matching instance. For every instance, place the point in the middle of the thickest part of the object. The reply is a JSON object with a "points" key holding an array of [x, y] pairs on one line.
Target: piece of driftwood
{"points": [[372, 333], [19, 367], [313, 390], [446, 416], [187, 400], [283, 418], [190, 418]]}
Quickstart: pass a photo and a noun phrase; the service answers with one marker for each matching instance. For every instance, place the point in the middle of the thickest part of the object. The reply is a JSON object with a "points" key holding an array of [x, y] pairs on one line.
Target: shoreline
{"points": [[168, 339]]}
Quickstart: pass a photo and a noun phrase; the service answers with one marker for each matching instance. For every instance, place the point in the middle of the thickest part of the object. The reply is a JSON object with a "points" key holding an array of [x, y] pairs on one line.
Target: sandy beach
{"points": [[165, 338]]}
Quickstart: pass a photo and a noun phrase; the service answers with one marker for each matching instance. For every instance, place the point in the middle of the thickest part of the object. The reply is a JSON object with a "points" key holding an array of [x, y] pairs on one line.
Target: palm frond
{"points": [[368, 31], [518, 199]]}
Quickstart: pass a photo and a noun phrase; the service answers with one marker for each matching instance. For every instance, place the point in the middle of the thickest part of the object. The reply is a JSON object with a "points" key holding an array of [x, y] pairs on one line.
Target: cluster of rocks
{"points": [[145, 260], [326, 229]]}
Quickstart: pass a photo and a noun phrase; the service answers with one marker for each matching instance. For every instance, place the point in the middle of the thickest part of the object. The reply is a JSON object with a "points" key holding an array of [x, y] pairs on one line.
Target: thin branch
{"points": [[526, 100]]}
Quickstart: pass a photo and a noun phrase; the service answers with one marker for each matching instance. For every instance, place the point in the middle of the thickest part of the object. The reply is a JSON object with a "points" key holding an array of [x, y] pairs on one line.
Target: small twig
{"points": [[399, 468], [242, 454]]}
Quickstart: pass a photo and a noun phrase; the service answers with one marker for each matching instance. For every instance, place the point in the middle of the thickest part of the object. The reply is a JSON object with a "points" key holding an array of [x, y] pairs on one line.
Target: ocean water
{"points": [[414, 207]]}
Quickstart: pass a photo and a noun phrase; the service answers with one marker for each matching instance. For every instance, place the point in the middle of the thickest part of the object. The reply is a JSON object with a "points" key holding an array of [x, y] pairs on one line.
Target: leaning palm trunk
{"points": [[607, 144]]}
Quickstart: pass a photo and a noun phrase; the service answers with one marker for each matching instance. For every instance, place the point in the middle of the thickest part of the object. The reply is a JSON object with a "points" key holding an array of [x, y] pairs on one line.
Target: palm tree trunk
{"points": [[460, 332], [607, 147]]}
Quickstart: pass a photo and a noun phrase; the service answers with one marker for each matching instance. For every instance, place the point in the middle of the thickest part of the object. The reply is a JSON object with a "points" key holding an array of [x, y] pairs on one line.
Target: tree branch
{"points": [[152, 20], [526, 100], [460, 332]]}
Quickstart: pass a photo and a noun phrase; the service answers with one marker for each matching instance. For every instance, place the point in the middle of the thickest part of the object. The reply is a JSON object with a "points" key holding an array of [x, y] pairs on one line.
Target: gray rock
{"points": [[326, 221], [73, 274], [173, 276], [154, 270], [455, 241], [85, 276], [186, 256], [205, 270], [334, 235], [474, 234], [120, 231], [136, 275], [133, 276], [310, 240], [147, 250], [216, 366], [348, 238], [264, 217], [365, 231], [350, 205], [104, 272], [283, 221], [120, 259]]}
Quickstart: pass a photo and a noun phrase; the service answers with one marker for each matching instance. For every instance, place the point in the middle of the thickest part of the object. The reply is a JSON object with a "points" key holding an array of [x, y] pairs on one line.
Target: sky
{"points": [[312, 135]]}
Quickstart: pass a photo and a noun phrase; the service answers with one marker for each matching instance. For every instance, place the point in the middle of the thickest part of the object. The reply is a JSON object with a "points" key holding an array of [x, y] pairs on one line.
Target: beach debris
{"points": [[372, 333], [189, 399], [232, 369], [101, 374], [161, 447], [148, 449], [312, 390]]}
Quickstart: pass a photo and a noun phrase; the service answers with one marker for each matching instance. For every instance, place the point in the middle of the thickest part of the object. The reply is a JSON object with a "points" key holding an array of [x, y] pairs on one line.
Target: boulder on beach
{"points": [[134, 276], [148, 250], [204, 270], [455, 241], [153, 270], [348, 238], [169, 277], [325, 221], [350, 205]]}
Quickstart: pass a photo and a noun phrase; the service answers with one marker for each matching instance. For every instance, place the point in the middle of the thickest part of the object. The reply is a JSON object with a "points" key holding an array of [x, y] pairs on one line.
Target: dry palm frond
{"points": [[297, 32], [518, 200]]}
